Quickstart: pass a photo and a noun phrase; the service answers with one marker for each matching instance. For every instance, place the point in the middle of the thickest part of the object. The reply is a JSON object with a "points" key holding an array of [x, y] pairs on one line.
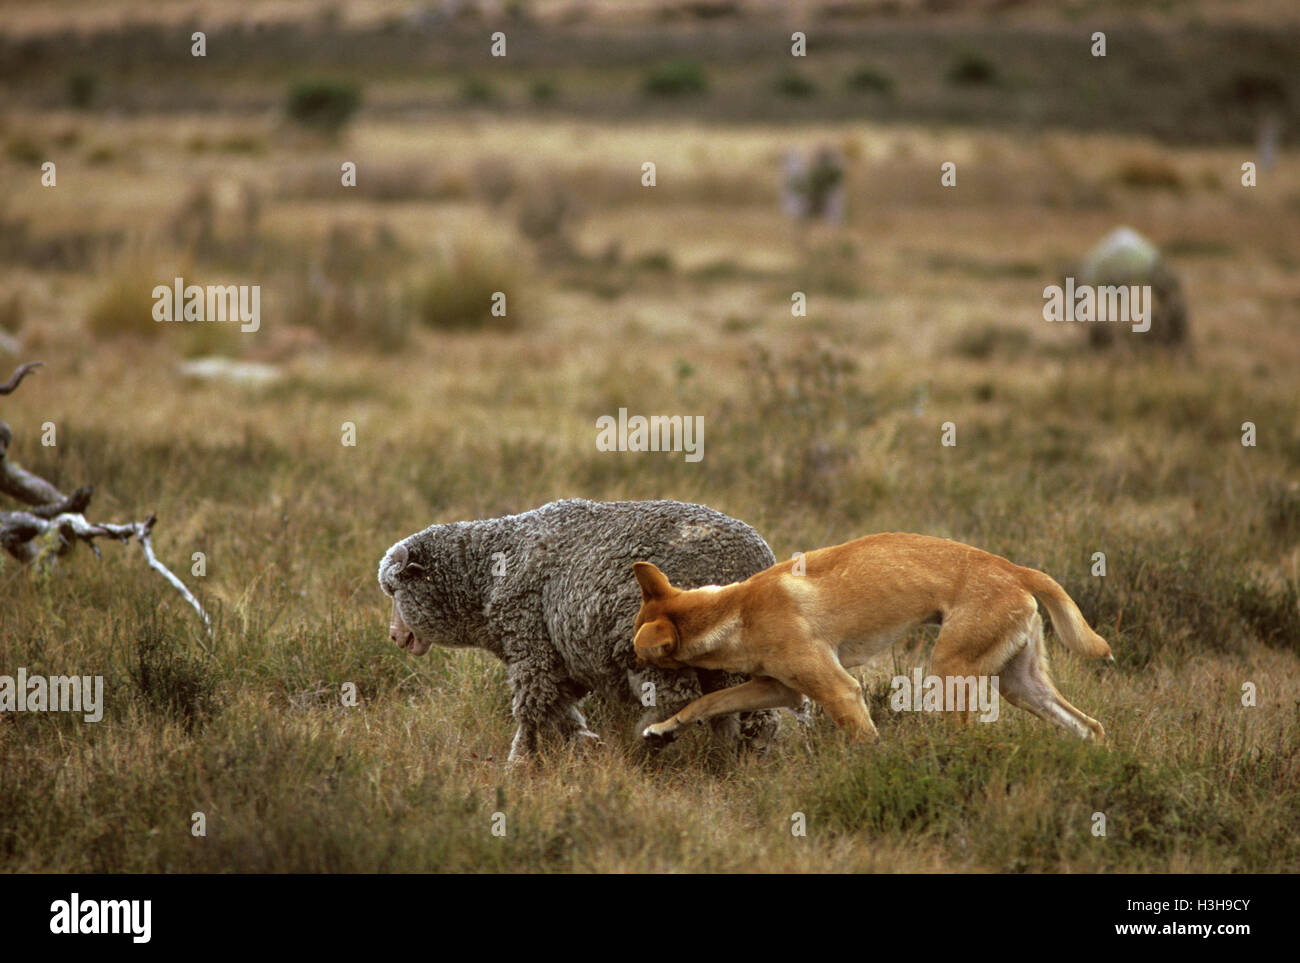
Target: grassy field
{"points": [[924, 307]]}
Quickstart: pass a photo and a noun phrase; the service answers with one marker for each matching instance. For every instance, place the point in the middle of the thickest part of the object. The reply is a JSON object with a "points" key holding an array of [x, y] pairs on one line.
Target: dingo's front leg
{"points": [[760, 693], [828, 683]]}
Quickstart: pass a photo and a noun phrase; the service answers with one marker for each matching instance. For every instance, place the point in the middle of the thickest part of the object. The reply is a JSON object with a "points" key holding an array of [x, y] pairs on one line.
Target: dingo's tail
{"points": [[1068, 621]]}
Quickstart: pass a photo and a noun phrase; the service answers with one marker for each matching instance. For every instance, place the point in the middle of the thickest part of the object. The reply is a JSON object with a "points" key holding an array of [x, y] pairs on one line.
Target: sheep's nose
{"points": [[398, 630]]}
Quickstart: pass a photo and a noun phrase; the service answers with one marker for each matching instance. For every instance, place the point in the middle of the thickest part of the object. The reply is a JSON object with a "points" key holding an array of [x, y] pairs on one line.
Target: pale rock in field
{"points": [[248, 373], [1125, 257]]}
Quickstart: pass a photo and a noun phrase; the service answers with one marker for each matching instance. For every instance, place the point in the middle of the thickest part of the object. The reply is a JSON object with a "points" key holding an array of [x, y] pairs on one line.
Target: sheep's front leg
{"points": [[543, 699], [575, 726]]}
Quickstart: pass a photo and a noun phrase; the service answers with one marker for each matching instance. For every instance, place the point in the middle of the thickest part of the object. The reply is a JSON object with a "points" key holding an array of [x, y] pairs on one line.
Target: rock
{"points": [[1125, 257], [249, 373]]}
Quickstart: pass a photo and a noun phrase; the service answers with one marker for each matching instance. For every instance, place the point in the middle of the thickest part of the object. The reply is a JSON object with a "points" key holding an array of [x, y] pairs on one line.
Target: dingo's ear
{"points": [[654, 584], [656, 639]]}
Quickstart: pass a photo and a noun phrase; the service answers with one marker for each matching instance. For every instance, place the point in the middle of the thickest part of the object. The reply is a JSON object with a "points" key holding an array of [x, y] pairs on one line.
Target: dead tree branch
{"points": [[57, 522], [8, 387], [16, 482]]}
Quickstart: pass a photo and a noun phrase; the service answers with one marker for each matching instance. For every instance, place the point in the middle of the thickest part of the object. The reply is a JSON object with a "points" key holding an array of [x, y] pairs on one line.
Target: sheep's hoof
{"points": [[585, 740]]}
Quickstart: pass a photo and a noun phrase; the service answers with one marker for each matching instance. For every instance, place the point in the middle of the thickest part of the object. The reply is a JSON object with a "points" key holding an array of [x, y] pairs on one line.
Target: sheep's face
{"points": [[405, 580]]}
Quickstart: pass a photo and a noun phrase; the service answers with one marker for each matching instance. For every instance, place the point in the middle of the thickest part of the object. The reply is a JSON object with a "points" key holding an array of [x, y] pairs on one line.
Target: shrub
{"points": [[972, 70], [1271, 613], [543, 91], [476, 90], [1281, 509], [11, 313], [82, 89], [1149, 173], [170, 681], [24, 150], [495, 180], [370, 313], [867, 80], [547, 215], [659, 261], [101, 155], [458, 292], [811, 398], [677, 78], [242, 144], [1252, 89], [323, 105], [125, 304], [987, 341], [794, 85]]}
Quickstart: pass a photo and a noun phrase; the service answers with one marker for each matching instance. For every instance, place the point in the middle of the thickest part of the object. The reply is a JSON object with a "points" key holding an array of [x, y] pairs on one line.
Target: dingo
{"points": [[796, 634]]}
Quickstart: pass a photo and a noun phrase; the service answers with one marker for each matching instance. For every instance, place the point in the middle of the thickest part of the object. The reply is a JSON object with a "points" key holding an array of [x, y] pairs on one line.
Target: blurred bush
{"points": [[868, 80], [458, 291], [543, 91], [476, 90], [24, 150], [125, 304], [83, 88], [972, 70], [12, 313], [548, 213], [676, 78], [1148, 172], [323, 105], [794, 85]]}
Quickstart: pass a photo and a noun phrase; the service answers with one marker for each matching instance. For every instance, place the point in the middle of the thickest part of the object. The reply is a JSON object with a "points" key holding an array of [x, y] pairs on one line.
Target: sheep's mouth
{"points": [[414, 645], [400, 633]]}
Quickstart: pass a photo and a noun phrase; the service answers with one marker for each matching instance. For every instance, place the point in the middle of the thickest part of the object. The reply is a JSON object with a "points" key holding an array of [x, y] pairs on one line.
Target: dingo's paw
{"points": [[661, 733]]}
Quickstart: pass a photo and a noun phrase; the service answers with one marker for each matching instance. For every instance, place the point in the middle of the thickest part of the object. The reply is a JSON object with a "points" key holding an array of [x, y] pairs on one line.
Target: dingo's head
{"points": [[656, 637]]}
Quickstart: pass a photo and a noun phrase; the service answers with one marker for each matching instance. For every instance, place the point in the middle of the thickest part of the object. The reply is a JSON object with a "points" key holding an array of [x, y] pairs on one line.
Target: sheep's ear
{"points": [[654, 584], [402, 560]]}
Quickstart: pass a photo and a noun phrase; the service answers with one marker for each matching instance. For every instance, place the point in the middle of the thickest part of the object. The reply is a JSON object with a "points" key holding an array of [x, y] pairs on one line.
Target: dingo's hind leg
{"points": [[1025, 683], [972, 647]]}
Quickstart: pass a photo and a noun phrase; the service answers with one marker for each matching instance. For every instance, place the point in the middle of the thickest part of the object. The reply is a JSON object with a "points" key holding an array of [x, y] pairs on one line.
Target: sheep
{"points": [[550, 592]]}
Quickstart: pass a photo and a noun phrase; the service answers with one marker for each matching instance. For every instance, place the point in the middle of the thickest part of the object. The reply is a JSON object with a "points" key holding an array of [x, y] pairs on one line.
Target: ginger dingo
{"points": [[797, 634]]}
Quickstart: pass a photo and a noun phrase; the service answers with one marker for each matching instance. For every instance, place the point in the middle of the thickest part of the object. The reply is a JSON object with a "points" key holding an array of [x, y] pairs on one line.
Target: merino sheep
{"points": [[550, 592]]}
